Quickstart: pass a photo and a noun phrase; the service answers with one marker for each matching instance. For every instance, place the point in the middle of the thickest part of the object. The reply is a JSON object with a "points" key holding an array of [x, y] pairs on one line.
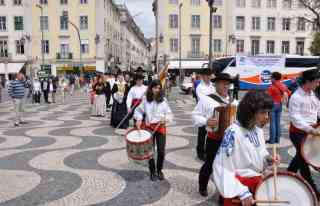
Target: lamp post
{"points": [[212, 10], [42, 37], [180, 36], [155, 11], [65, 17]]}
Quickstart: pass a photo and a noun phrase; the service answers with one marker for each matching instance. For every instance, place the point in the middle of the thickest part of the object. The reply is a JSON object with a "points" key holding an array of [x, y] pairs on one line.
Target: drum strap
{"points": [[217, 98]]}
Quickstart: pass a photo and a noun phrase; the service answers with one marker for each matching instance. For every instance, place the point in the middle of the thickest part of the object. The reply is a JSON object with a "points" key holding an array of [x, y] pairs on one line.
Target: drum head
{"points": [[310, 150], [290, 188], [138, 136]]}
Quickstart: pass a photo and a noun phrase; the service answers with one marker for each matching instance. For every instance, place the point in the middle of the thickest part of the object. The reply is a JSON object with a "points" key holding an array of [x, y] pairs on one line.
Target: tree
{"points": [[314, 7], [315, 46]]}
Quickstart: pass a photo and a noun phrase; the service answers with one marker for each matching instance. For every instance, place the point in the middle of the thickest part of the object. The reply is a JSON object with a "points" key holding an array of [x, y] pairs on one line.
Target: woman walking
{"points": [[99, 107]]}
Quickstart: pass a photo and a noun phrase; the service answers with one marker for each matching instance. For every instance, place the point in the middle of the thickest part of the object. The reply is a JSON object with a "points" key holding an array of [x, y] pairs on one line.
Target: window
{"points": [[217, 21], [255, 46], [3, 48], [255, 23], [45, 47], [285, 47], [174, 45], [43, 1], [19, 47], [64, 21], [195, 46], [240, 22], [83, 22], [195, 21], [2, 2], [85, 48], [173, 1], [83, 1], [217, 43], [301, 24], [287, 4], [17, 2], [195, 2], [286, 24], [241, 3], [270, 47], [300, 47], [64, 51], [217, 2], [18, 23], [44, 23], [240, 45], [271, 23], [63, 1], [256, 3], [173, 21], [272, 4], [3, 23]]}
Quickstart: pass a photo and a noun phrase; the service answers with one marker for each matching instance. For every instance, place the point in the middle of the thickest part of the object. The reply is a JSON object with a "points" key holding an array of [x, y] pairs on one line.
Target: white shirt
{"points": [[136, 92], [204, 89], [154, 112], [36, 86], [242, 153], [204, 110], [304, 110], [111, 82]]}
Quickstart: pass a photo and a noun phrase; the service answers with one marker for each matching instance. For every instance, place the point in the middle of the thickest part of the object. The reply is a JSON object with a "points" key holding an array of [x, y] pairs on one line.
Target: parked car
{"points": [[187, 85]]}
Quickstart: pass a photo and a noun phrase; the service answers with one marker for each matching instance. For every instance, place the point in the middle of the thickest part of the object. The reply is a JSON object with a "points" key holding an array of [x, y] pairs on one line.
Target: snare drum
{"points": [[310, 151], [139, 144], [290, 187]]}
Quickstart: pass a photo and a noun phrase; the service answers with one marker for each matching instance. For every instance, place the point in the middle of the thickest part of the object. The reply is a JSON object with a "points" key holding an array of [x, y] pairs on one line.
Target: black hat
{"points": [[224, 77], [206, 72], [310, 75], [138, 77], [140, 69]]}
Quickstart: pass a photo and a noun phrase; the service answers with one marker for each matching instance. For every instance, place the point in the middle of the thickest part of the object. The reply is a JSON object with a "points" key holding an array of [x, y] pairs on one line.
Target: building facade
{"points": [[247, 27]]}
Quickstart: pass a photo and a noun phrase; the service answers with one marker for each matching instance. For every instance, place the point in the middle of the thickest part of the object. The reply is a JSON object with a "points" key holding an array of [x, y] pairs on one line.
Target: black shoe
{"points": [[203, 193], [160, 175], [16, 124], [153, 177]]}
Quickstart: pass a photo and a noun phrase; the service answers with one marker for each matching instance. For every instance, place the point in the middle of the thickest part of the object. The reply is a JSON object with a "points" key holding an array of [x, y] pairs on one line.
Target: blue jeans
{"points": [[275, 126]]}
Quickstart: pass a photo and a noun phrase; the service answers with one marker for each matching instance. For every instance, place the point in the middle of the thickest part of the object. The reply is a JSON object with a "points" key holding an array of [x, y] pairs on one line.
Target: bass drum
{"points": [[290, 187], [310, 151]]}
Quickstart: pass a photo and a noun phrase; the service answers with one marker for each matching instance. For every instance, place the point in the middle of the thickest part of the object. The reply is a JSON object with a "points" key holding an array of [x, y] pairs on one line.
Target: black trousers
{"points": [[298, 164], [202, 132], [37, 96], [212, 147], [45, 95], [160, 141], [108, 98]]}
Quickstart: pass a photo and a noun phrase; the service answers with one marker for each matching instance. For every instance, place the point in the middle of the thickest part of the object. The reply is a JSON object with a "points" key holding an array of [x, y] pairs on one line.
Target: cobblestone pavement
{"points": [[63, 156]]}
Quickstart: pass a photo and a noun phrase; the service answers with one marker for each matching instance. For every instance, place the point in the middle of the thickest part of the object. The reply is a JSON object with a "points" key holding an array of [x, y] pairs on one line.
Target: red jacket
{"points": [[277, 90]]}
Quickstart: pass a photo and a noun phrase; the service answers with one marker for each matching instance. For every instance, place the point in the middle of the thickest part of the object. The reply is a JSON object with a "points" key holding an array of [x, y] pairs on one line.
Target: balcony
{"points": [[196, 54], [64, 56]]}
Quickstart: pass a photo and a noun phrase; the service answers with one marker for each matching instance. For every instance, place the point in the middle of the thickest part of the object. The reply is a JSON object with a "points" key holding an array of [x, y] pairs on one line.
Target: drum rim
{"points": [[303, 153], [294, 175], [133, 129]]}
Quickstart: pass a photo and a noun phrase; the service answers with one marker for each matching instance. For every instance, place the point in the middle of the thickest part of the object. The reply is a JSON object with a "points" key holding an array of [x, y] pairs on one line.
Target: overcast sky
{"points": [[145, 17]]}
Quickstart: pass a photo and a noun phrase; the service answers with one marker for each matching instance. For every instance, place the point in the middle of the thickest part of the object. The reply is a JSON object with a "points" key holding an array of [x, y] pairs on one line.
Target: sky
{"points": [[144, 15]]}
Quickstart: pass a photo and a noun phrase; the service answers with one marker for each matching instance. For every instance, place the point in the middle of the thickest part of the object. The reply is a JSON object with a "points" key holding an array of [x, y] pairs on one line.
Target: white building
{"points": [[15, 35]]}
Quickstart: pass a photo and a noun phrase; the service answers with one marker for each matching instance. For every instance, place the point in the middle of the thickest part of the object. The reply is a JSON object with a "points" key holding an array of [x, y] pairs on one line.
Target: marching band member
{"points": [[136, 93], [242, 157], [204, 88], [155, 112], [203, 115], [304, 111]]}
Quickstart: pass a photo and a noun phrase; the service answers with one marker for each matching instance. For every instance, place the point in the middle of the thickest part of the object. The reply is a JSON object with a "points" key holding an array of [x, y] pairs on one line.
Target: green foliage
{"points": [[315, 45]]}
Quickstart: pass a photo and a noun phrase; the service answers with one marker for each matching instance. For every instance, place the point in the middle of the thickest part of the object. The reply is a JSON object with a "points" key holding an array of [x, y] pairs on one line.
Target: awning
{"points": [[11, 67], [188, 64]]}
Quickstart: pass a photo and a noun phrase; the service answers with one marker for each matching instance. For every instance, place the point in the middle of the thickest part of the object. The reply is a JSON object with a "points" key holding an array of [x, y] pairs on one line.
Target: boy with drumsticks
{"points": [[304, 111], [242, 157], [152, 114]]}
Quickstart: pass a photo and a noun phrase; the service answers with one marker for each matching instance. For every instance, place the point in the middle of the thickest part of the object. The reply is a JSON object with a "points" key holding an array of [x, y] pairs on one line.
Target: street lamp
{"points": [[42, 37], [180, 36], [212, 10], [65, 17]]}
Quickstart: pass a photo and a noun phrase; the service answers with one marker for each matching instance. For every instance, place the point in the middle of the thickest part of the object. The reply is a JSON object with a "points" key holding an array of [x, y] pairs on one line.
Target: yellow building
{"points": [[61, 44], [194, 29]]}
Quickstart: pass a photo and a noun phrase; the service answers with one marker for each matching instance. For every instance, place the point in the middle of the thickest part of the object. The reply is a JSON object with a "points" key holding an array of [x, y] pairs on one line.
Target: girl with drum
{"points": [[153, 113], [242, 156]]}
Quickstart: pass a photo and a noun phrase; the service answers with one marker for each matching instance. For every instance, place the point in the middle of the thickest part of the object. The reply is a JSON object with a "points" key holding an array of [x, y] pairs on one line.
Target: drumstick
{"points": [[264, 201], [275, 180], [127, 115]]}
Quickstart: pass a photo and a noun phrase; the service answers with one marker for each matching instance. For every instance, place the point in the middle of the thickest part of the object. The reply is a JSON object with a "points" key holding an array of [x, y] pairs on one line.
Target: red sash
{"points": [[213, 136], [293, 129], [161, 129], [135, 102]]}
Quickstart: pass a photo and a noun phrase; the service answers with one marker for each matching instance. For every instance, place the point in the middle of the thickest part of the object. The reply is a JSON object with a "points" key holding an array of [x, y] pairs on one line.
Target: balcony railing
{"points": [[196, 54], [64, 56]]}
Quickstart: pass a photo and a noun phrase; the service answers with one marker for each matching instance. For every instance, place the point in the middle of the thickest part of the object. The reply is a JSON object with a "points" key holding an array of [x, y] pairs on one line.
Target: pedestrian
{"points": [[16, 90], [99, 108], [304, 108], [44, 87], [107, 91], [155, 112], [119, 108], [72, 81], [280, 94], [64, 88], [52, 90], [36, 90], [236, 87], [204, 116]]}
